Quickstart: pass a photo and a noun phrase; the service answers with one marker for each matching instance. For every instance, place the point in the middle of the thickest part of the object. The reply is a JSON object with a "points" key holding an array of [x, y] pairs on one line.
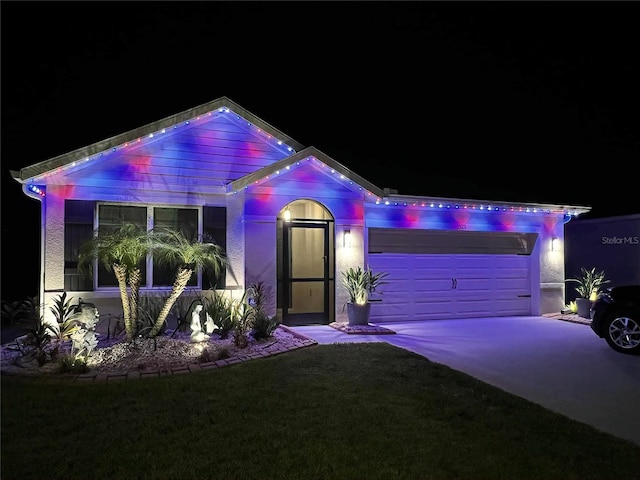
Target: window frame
{"points": [[147, 284]]}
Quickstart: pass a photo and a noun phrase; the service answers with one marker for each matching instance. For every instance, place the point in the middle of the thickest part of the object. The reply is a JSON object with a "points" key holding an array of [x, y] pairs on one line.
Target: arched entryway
{"points": [[306, 264]]}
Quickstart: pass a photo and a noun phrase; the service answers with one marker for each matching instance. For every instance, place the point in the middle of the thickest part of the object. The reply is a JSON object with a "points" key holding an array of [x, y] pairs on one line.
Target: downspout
{"points": [[39, 198]]}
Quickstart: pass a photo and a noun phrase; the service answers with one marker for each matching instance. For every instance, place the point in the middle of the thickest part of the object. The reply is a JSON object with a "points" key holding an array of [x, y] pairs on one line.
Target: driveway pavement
{"points": [[560, 365]]}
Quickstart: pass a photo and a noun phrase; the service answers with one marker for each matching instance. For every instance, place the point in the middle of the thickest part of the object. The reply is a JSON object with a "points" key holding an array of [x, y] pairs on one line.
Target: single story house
{"points": [[293, 218]]}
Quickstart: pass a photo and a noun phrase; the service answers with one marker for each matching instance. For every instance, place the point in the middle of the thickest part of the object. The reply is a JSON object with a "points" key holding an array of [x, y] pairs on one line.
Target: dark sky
{"points": [[512, 101]]}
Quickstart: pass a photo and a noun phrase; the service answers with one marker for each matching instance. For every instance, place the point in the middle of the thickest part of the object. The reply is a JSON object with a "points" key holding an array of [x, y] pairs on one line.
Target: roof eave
{"points": [[575, 209], [45, 166], [269, 170]]}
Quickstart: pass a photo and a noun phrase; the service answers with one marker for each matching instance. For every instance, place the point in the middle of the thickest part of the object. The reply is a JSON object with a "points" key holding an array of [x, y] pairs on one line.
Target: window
{"points": [[110, 218], [79, 218], [78, 228], [184, 220]]}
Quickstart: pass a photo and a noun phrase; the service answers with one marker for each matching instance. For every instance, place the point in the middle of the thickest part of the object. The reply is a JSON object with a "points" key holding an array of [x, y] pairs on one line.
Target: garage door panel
{"points": [[396, 286], [429, 287], [474, 308], [422, 286], [433, 309], [513, 306], [513, 284], [388, 312]]}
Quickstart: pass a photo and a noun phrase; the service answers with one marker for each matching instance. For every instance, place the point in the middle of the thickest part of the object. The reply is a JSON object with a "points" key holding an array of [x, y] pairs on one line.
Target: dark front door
{"points": [[306, 278]]}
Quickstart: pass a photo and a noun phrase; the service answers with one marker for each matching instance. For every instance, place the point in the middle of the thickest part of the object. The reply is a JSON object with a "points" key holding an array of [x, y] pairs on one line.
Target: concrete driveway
{"points": [[560, 365]]}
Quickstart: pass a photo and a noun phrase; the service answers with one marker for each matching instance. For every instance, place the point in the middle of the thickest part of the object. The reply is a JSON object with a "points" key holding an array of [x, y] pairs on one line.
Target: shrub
{"points": [[263, 325], [69, 363], [19, 311], [219, 308], [39, 338], [149, 307]]}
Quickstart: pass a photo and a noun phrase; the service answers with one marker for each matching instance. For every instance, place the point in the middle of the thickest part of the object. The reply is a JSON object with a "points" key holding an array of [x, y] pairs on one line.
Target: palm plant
{"points": [[589, 283], [171, 247], [360, 283], [121, 251]]}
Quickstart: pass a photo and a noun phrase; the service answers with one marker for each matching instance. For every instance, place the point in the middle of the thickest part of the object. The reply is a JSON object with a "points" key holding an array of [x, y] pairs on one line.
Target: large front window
{"points": [[194, 223]]}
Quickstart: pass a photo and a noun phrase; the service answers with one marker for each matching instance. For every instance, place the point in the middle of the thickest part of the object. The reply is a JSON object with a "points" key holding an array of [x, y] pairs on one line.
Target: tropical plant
{"points": [[171, 247], [67, 324], [16, 311], [39, 338], [121, 251], [149, 308], [360, 283], [218, 308], [263, 325], [242, 315], [589, 283]]}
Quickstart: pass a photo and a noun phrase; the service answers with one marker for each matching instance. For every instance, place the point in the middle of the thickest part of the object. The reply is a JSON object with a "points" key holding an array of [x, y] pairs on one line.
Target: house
{"points": [[294, 218]]}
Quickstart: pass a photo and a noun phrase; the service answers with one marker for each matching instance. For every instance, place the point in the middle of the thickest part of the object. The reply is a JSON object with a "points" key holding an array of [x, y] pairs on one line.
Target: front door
{"points": [[306, 279]]}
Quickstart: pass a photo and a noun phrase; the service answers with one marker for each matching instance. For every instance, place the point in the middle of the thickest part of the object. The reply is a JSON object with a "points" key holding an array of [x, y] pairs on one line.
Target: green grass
{"points": [[346, 411]]}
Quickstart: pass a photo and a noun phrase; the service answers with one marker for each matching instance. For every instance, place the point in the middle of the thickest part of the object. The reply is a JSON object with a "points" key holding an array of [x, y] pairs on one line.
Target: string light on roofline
{"points": [[158, 133], [37, 190]]}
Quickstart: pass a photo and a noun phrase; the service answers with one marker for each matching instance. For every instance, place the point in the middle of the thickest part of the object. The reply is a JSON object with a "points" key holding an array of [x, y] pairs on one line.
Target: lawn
{"points": [[345, 411]]}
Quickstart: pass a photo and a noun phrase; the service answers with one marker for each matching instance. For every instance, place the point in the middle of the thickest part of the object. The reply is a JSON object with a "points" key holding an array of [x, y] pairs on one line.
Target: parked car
{"points": [[615, 316]]}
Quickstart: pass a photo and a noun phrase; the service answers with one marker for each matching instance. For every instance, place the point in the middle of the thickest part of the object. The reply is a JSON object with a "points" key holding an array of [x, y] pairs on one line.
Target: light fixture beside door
{"points": [[346, 239]]}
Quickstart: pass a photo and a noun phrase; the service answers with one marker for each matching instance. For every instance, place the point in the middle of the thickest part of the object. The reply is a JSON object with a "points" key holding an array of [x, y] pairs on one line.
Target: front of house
{"points": [[292, 218]]}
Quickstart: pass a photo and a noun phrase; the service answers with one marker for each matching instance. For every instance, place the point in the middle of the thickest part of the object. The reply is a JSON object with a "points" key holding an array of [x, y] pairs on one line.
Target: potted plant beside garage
{"points": [[360, 283], [588, 288]]}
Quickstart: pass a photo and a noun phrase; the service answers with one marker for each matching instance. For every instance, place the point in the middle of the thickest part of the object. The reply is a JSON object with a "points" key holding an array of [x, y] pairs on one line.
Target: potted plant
{"points": [[360, 284], [588, 288]]}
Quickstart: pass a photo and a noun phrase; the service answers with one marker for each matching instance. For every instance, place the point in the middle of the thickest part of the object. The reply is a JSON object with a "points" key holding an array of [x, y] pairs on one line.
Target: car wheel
{"points": [[622, 332]]}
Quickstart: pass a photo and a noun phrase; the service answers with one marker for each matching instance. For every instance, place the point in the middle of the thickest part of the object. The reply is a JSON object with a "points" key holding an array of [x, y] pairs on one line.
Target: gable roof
{"points": [[342, 173], [28, 173]]}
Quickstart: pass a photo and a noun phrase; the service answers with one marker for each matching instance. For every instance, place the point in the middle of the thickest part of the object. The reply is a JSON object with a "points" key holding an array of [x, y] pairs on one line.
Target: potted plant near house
{"points": [[360, 284], [588, 288]]}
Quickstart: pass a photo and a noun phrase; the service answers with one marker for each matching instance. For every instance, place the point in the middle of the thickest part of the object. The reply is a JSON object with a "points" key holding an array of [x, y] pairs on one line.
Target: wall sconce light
{"points": [[346, 239], [554, 244], [287, 215]]}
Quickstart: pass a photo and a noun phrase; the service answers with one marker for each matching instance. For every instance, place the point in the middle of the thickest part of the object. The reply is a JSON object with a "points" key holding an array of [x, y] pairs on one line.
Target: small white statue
{"points": [[197, 335], [209, 326]]}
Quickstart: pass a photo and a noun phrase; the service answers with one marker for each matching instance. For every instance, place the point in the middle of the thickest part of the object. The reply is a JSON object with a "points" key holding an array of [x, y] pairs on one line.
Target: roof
{"points": [[32, 172], [27, 173], [342, 172]]}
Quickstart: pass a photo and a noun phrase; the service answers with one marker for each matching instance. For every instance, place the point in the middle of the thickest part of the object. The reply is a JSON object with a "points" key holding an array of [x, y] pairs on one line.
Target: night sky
{"points": [[512, 101]]}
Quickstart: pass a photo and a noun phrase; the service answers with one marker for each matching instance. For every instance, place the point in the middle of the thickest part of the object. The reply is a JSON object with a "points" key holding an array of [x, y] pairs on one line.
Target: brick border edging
{"points": [[99, 377]]}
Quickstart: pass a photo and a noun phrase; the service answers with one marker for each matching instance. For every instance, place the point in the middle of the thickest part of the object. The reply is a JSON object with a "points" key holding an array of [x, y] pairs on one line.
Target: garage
{"points": [[435, 274]]}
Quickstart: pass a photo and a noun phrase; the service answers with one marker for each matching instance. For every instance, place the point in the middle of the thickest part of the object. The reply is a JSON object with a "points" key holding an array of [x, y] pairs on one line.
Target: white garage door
{"points": [[451, 284]]}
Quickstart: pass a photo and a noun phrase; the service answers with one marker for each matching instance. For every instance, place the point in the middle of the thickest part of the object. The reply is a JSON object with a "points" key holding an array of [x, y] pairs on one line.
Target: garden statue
{"points": [[197, 335], [209, 326]]}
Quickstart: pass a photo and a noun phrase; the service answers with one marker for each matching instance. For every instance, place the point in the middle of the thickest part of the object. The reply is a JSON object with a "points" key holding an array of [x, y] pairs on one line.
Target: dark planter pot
{"points": [[358, 314], [584, 307]]}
